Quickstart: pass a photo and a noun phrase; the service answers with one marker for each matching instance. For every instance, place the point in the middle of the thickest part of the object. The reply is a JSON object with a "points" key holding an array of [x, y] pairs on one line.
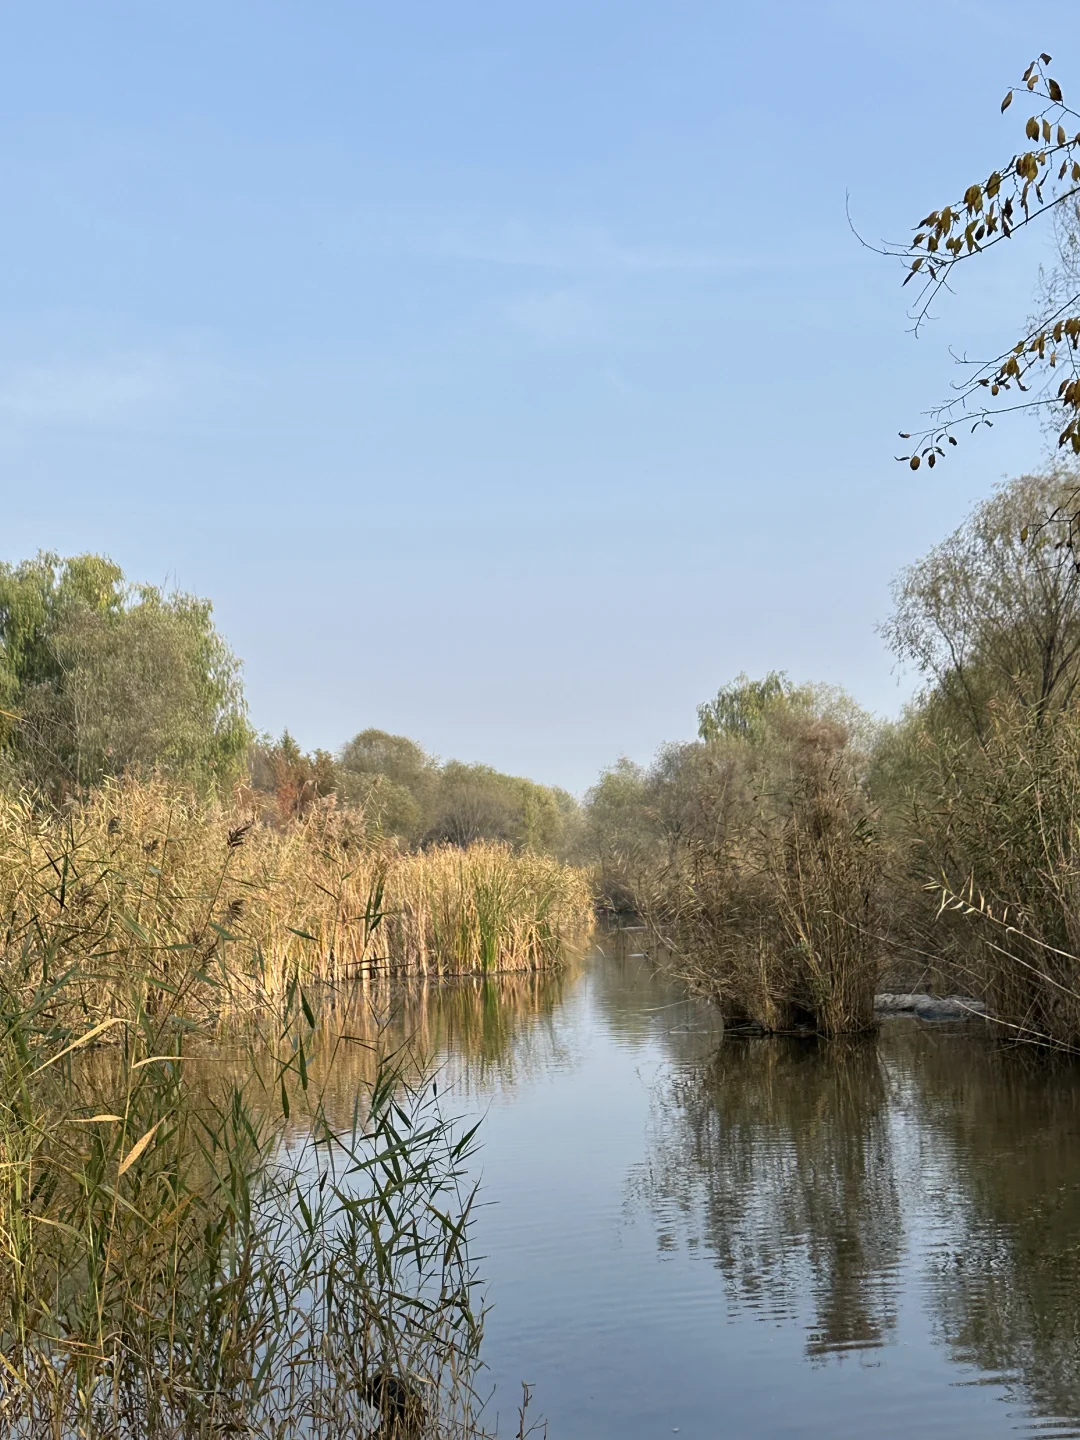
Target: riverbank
{"points": [[152, 897]]}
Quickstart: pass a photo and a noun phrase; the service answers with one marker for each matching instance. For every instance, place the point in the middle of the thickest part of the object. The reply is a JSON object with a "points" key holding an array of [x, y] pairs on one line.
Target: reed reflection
{"points": [[477, 1035]]}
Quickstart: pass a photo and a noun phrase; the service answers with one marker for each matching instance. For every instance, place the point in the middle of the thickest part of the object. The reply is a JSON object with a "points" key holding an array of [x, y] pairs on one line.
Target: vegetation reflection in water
{"points": [[474, 1033], [1004, 1281], [841, 1174], [776, 1159], [824, 1180]]}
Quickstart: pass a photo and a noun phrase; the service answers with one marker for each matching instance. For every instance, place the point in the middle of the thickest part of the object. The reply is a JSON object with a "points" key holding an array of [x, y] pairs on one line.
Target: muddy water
{"points": [[709, 1236]]}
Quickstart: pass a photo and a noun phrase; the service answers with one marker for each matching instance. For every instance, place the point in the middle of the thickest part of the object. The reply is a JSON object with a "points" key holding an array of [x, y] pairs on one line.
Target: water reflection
{"points": [[683, 1224], [774, 1158], [481, 1034], [1002, 1166]]}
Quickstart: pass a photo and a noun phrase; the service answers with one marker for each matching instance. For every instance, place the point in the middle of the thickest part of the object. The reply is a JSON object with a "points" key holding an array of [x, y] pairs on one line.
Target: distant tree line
{"points": [[407, 794], [102, 678]]}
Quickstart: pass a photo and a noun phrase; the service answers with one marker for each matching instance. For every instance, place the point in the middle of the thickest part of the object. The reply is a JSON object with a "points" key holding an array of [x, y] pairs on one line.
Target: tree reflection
{"points": [[1005, 1273], [775, 1158]]}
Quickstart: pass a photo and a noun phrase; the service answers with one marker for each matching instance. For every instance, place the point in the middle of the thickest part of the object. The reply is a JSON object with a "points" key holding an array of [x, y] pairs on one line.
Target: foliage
{"points": [[770, 902], [749, 710], [1038, 181], [407, 793], [742, 708], [475, 802], [395, 757], [620, 832], [1000, 847], [189, 1251], [392, 779], [99, 678], [992, 613], [295, 781], [752, 857]]}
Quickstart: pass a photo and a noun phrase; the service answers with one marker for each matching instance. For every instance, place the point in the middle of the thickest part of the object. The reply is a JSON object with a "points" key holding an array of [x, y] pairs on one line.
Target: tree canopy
{"points": [[993, 611], [101, 677]]}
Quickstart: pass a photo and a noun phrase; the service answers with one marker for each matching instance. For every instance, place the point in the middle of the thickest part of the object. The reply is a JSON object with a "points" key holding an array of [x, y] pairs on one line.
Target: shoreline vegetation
{"points": [[184, 1248], [154, 894], [224, 1208], [799, 854], [191, 1248]]}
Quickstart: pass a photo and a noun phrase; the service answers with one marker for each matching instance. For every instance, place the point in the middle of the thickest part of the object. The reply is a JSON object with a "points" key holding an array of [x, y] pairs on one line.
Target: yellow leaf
{"points": [[1006, 102], [138, 1148], [82, 1040], [93, 1119]]}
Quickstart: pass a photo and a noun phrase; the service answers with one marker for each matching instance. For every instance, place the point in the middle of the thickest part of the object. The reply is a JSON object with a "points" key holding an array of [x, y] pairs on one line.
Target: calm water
{"points": [[752, 1238]]}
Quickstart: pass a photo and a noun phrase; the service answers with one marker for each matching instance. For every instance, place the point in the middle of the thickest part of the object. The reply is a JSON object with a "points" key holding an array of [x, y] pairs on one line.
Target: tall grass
{"points": [[190, 1256], [156, 902], [200, 1234]]}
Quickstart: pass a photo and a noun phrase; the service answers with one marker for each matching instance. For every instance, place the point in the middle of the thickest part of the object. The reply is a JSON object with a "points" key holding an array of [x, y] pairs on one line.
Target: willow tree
{"points": [[989, 616]]}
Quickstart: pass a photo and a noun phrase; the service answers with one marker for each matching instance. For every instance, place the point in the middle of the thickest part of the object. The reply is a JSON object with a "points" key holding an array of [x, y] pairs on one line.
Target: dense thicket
{"points": [[752, 855], [796, 854]]}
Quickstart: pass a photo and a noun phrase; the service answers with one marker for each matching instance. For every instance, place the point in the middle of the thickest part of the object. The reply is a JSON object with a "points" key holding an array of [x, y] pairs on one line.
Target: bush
{"points": [[752, 856]]}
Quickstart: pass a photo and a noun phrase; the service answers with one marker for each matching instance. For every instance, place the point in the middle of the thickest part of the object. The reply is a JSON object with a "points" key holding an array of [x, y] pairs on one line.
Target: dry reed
{"points": [[164, 902], [189, 1250]]}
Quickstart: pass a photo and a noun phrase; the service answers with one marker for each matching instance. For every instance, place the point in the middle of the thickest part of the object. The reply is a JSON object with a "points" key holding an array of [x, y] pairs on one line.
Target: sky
{"points": [[508, 375]]}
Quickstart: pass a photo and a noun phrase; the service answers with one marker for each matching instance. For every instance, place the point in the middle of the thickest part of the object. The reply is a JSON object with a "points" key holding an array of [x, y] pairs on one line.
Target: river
{"points": [[686, 1233]]}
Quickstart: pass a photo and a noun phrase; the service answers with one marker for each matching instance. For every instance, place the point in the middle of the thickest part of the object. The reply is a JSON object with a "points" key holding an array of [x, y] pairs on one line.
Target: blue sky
{"points": [[506, 373]]}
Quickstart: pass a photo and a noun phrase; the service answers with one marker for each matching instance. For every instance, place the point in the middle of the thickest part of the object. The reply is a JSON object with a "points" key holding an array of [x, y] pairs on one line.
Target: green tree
{"points": [[375, 752], [407, 793], [393, 779], [993, 612], [477, 802], [100, 678], [742, 707]]}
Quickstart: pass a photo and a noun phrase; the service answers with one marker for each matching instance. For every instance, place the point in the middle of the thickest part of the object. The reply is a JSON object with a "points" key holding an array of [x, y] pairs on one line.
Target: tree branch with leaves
{"points": [[1038, 181]]}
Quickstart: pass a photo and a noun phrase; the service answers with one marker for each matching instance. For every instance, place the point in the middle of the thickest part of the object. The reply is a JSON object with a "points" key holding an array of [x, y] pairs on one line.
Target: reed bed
{"points": [[189, 1250], [200, 1233], [159, 902]]}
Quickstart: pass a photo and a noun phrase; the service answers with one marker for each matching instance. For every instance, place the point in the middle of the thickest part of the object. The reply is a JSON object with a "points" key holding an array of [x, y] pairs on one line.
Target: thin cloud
{"points": [[555, 316], [577, 250], [91, 394]]}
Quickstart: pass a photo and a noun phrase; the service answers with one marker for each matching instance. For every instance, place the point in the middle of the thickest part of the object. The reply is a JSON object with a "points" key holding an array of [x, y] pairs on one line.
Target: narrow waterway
{"points": [[686, 1233]]}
